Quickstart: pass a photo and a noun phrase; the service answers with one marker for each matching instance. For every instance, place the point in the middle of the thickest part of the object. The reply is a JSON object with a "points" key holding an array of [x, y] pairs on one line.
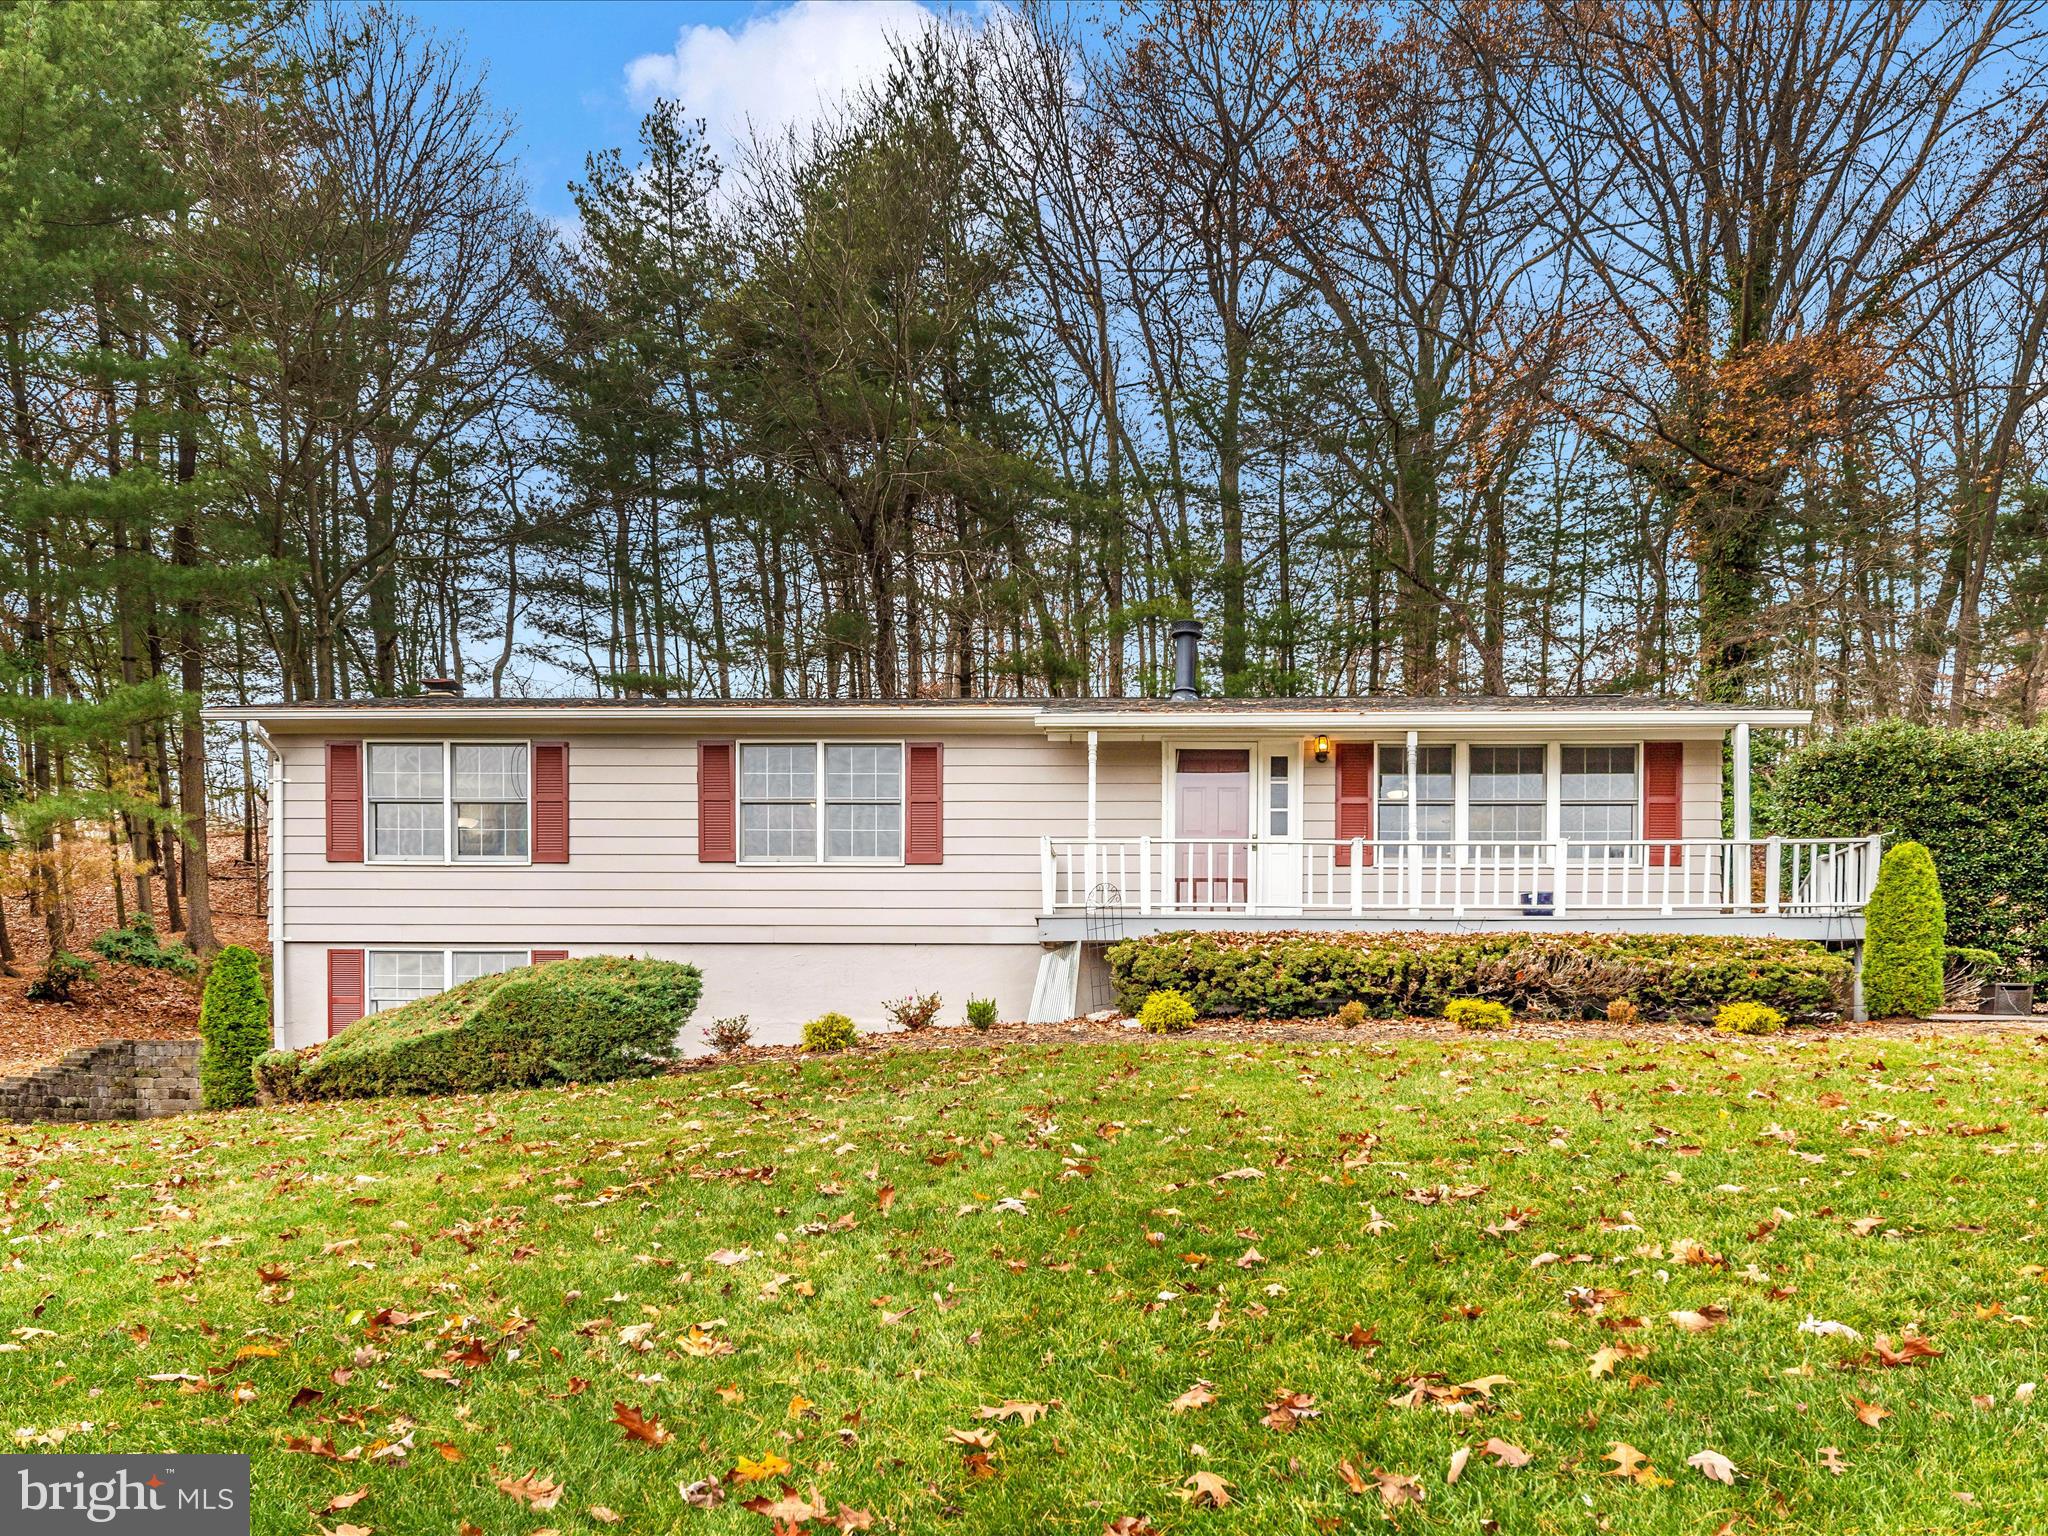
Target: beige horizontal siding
{"points": [[633, 874]]}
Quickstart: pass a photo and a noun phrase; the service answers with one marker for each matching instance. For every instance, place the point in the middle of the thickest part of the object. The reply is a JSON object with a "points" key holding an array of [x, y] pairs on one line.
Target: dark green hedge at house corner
{"points": [[1560, 975], [1977, 799], [582, 1021]]}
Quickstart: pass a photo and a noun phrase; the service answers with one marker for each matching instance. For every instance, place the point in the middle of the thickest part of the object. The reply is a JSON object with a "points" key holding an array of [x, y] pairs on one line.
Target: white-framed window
{"points": [[1505, 791], [1279, 795], [809, 802], [1599, 800], [1431, 800], [466, 802], [399, 976]]}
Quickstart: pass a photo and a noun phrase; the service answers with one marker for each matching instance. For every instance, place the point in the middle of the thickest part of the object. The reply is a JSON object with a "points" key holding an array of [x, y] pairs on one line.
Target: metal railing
{"points": [[1807, 876]]}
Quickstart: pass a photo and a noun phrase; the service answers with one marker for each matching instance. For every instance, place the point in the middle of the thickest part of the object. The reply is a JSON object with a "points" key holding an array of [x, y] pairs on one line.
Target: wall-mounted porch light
{"points": [[1322, 749]]}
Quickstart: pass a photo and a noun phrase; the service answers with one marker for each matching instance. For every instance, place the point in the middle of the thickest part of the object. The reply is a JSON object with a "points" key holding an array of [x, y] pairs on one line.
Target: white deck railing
{"points": [[1329, 877]]}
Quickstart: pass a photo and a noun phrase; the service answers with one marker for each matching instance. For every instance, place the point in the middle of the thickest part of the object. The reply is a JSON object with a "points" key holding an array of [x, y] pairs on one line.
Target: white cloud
{"points": [[779, 69]]}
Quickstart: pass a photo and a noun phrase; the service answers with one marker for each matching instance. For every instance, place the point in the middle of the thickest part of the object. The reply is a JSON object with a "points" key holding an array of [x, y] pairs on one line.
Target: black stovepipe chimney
{"points": [[1186, 635]]}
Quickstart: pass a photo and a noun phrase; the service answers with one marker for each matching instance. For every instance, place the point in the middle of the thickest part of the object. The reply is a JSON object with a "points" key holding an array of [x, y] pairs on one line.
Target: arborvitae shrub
{"points": [[234, 1028], [1905, 931]]}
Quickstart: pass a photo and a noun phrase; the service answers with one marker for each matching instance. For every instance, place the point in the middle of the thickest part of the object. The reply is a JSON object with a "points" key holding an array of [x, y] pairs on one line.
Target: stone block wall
{"points": [[114, 1080]]}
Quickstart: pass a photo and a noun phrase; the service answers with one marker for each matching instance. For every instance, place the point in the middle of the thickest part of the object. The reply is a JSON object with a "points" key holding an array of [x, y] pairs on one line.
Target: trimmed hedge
{"points": [[1977, 799], [1563, 975], [234, 1028], [1904, 932], [586, 1020]]}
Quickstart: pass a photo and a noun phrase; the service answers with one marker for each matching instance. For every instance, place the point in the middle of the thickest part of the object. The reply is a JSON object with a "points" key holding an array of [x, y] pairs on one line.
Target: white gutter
{"points": [[725, 716], [1341, 715], [276, 914], [1306, 722]]}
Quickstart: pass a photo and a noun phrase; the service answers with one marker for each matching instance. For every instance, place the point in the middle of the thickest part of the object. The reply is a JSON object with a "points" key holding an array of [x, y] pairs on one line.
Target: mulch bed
{"points": [[1382, 1031]]}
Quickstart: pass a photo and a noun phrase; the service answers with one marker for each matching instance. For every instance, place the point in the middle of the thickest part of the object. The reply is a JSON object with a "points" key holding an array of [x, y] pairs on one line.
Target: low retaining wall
{"points": [[115, 1080]]}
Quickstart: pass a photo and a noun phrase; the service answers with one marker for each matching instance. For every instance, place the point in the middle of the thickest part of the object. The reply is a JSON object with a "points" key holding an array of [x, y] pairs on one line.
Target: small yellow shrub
{"points": [[829, 1032], [1166, 1012], [1351, 1015], [1748, 1019], [1623, 1012], [1478, 1013]]}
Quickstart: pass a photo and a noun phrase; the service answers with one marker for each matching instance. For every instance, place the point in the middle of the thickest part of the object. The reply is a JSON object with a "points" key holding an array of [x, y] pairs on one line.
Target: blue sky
{"points": [[578, 74]]}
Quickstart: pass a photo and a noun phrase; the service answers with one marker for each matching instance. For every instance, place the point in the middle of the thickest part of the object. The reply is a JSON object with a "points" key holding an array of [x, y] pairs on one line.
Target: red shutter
{"points": [[344, 988], [715, 802], [924, 804], [549, 956], [1663, 794], [1354, 798], [551, 802], [344, 802]]}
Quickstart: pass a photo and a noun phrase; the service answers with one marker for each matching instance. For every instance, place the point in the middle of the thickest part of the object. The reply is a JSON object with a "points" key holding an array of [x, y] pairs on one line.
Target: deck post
{"points": [[1045, 875], [1145, 875], [1561, 854], [1871, 861], [1414, 764], [1741, 781], [1357, 876], [1089, 873], [1773, 849]]}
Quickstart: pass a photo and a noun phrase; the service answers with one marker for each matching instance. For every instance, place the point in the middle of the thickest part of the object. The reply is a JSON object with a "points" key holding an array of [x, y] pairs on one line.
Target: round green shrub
{"points": [[1351, 1015], [1166, 1012], [1905, 931], [234, 1028], [1478, 1013], [981, 1012], [830, 1032], [1748, 1019]]}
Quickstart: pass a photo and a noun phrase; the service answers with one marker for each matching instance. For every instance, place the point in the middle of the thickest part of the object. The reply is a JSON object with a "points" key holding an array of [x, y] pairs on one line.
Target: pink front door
{"points": [[1212, 811]]}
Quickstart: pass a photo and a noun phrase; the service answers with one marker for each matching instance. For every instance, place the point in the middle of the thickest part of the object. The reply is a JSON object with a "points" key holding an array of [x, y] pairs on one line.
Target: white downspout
{"points": [[275, 819]]}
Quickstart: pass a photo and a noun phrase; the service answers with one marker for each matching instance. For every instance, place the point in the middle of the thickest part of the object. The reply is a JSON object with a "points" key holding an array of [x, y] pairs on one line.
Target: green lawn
{"points": [[834, 1263]]}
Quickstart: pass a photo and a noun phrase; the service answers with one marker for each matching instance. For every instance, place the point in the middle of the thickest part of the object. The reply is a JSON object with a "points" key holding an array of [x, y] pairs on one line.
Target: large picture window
{"points": [[1432, 798], [1599, 800], [790, 792], [1506, 796], [400, 976], [428, 797]]}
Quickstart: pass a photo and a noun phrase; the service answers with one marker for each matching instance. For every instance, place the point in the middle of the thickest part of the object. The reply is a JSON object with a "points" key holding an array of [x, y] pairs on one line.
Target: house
{"points": [[811, 855]]}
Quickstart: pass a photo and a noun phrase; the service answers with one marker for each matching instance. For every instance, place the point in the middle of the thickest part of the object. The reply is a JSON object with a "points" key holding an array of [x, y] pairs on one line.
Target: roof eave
{"points": [[1441, 719]]}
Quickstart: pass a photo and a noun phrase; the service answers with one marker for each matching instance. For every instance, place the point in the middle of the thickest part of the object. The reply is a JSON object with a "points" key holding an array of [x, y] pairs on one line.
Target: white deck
{"points": [[1797, 887]]}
